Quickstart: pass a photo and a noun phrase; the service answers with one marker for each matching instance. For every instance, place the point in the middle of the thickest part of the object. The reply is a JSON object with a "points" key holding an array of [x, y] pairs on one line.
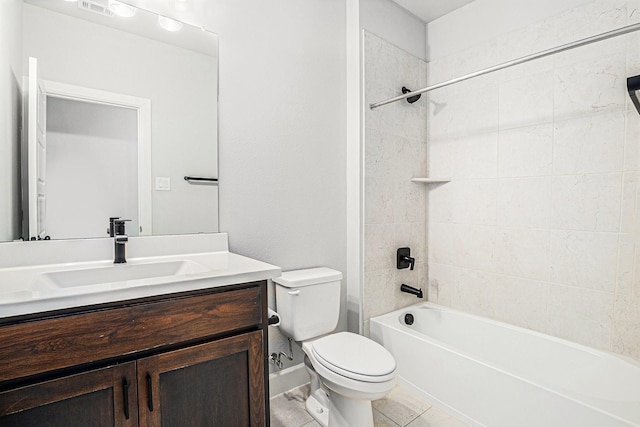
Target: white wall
{"points": [[482, 20], [539, 224], [282, 143], [10, 117], [394, 24], [182, 144]]}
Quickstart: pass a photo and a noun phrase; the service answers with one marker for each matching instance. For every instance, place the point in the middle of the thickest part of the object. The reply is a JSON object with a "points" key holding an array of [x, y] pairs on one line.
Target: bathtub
{"points": [[492, 374]]}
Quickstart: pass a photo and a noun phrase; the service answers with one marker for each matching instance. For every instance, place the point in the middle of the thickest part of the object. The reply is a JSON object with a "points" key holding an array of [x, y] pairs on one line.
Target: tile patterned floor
{"points": [[400, 409]]}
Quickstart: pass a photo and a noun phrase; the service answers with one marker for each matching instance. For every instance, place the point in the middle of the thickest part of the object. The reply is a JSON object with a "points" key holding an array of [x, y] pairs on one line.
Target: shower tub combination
{"points": [[492, 374]]}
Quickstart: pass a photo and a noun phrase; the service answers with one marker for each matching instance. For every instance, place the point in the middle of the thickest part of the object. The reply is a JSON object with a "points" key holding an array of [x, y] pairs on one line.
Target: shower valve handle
{"points": [[404, 259]]}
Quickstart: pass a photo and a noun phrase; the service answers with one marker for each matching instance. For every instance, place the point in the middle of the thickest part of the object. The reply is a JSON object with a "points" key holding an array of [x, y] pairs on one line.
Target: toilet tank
{"points": [[308, 302]]}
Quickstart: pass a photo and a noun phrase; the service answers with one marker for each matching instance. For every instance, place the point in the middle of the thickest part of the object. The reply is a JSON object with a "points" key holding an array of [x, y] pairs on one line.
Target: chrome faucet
{"points": [[117, 231]]}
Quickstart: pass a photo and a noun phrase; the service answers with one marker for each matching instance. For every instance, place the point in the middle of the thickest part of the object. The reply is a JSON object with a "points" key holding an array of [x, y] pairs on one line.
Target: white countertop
{"points": [[27, 287]]}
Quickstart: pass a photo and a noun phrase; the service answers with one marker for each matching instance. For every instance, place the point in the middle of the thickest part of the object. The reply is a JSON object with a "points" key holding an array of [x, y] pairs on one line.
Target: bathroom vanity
{"points": [[177, 350]]}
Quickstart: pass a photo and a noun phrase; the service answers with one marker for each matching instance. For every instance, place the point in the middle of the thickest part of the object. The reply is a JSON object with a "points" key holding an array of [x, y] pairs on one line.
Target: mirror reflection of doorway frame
{"points": [[143, 108]]}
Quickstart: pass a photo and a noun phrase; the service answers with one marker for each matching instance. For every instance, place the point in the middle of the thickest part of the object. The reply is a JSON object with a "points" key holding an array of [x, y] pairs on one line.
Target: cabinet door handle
{"points": [[149, 393], [125, 394]]}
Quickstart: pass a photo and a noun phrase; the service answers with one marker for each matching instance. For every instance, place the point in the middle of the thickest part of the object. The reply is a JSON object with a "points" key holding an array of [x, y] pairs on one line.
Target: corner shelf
{"points": [[430, 180]]}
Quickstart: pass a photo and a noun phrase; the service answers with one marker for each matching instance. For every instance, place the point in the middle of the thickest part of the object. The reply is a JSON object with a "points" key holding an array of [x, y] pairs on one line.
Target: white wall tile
{"points": [[409, 202], [441, 243], [632, 140], [591, 144], [581, 315], [378, 292], [522, 302], [626, 323], [526, 100], [586, 202], [633, 47], [472, 201], [440, 158], [474, 246], [584, 259], [474, 292], [468, 246], [628, 274], [633, 11], [476, 101], [524, 202], [526, 151], [441, 278], [590, 86], [395, 151], [562, 181], [476, 156], [379, 152], [630, 218], [441, 202], [628, 278], [590, 19], [378, 244], [534, 38], [523, 253], [378, 204]]}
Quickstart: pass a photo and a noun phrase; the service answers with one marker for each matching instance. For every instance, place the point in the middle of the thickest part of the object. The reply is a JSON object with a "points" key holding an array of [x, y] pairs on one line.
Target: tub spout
{"points": [[411, 290]]}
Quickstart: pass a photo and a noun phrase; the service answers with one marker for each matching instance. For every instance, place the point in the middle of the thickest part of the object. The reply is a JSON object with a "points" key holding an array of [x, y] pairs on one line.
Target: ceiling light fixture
{"points": [[169, 24], [121, 9], [181, 5]]}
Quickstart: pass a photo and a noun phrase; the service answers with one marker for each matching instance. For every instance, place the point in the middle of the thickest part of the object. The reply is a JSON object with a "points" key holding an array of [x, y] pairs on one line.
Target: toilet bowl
{"points": [[347, 370]]}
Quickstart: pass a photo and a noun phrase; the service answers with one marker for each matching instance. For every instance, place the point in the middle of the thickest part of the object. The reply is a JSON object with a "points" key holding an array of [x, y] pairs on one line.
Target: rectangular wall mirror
{"points": [[116, 111]]}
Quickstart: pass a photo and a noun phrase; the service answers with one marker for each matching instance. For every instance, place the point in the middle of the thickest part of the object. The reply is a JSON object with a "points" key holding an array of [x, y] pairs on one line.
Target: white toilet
{"points": [[347, 370]]}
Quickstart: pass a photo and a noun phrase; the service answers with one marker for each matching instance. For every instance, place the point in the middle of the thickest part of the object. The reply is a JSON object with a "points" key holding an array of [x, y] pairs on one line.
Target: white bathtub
{"points": [[497, 375]]}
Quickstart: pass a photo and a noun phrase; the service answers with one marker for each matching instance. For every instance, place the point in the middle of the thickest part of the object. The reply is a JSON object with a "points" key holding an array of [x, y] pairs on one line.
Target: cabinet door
{"points": [[104, 397], [220, 383]]}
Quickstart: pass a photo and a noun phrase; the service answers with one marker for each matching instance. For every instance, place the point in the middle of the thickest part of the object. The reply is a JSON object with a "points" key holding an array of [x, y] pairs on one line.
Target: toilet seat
{"points": [[355, 357]]}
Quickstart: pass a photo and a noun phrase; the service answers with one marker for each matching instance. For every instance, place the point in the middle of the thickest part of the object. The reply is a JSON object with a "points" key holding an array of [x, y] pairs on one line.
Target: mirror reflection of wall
{"points": [[92, 156]]}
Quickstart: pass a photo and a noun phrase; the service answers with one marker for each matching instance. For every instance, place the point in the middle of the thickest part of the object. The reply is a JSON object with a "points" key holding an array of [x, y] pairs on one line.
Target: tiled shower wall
{"points": [[540, 225], [394, 152]]}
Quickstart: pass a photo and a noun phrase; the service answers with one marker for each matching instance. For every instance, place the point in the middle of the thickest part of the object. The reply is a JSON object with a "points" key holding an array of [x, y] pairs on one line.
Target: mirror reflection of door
{"points": [[92, 157], [35, 201], [89, 159]]}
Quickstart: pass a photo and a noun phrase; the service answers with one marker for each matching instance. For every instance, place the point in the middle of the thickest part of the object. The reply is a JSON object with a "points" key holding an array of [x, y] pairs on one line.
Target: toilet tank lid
{"points": [[308, 276]]}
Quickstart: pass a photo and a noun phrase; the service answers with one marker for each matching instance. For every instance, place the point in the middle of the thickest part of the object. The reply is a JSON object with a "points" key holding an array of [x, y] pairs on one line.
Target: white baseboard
{"points": [[287, 379]]}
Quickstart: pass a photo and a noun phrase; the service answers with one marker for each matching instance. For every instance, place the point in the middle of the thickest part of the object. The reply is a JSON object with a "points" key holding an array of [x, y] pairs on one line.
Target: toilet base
{"points": [[332, 409], [319, 412], [339, 411], [346, 412]]}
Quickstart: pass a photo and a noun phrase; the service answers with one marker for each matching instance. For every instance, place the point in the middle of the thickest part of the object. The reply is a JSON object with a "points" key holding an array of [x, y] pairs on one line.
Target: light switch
{"points": [[163, 183]]}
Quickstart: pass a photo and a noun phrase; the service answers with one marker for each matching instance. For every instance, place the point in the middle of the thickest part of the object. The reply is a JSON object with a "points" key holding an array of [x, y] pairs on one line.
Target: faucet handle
{"points": [[111, 230], [404, 259], [117, 226]]}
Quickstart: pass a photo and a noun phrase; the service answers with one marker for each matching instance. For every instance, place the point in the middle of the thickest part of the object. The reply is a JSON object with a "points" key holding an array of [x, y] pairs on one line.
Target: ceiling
{"points": [[430, 10]]}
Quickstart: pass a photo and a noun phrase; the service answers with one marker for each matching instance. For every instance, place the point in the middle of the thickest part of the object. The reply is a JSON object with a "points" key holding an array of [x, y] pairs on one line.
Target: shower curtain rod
{"points": [[522, 60]]}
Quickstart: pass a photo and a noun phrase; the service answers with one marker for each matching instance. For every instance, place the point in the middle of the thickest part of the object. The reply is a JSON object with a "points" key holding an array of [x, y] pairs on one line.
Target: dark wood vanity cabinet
{"points": [[102, 397], [193, 359]]}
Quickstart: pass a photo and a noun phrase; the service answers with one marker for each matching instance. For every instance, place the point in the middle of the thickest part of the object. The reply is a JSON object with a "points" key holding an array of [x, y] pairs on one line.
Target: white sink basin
{"points": [[62, 274], [117, 273]]}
